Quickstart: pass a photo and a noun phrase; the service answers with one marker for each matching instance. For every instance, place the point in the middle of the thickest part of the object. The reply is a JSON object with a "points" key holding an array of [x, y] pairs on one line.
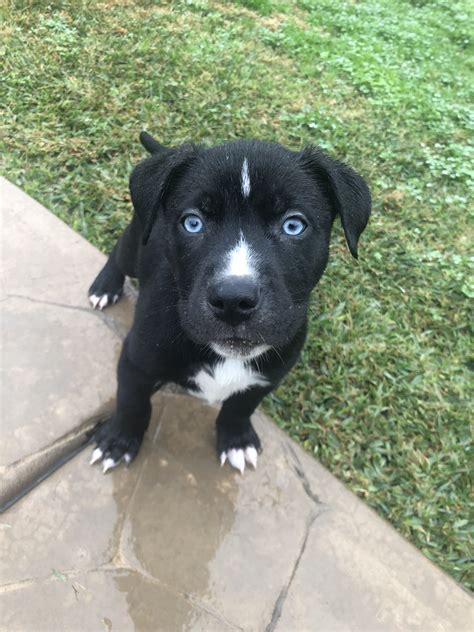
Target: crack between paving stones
{"points": [[72, 574], [118, 556], [300, 473], [23, 583], [77, 431], [280, 602], [108, 321], [158, 582]]}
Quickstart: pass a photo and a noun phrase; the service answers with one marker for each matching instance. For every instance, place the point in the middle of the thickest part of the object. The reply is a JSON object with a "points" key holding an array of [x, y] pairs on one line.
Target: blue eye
{"points": [[193, 224], [294, 226]]}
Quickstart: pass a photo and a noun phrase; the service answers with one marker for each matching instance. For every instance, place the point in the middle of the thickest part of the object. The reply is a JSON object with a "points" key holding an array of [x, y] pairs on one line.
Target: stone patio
{"points": [[174, 542]]}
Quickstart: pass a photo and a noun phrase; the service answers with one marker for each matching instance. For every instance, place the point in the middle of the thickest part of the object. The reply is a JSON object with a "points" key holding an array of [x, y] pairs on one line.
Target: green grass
{"points": [[381, 393]]}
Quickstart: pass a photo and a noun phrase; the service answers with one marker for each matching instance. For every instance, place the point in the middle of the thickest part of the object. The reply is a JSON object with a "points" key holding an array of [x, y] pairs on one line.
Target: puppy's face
{"points": [[246, 228]]}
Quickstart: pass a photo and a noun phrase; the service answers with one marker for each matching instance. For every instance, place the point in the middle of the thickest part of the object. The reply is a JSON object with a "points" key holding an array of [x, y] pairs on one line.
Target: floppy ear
{"points": [[347, 189], [152, 178]]}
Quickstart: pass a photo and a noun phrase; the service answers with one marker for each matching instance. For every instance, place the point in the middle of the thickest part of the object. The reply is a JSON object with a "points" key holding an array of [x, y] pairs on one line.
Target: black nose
{"points": [[234, 298]]}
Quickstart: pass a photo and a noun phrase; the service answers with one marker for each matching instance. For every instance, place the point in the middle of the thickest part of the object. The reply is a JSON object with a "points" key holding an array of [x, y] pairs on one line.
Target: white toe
{"points": [[94, 300], [223, 458], [251, 456], [96, 456], [127, 459], [103, 302], [108, 464], [237, 459]]}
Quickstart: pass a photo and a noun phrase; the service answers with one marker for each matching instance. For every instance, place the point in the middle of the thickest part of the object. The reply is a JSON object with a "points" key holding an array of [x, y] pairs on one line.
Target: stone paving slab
{"points": [[45, 273], [174, 542], [107, 600], [236, 534]]}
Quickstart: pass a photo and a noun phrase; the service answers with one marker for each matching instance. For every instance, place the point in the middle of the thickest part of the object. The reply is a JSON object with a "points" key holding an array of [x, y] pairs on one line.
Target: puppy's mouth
{"points": [[239, 348]]}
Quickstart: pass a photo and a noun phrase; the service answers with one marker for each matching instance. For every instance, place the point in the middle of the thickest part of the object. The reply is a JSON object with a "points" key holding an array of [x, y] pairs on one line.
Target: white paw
{"points": [[238, 458], [102, 301], [108, 463], [99, 301]]}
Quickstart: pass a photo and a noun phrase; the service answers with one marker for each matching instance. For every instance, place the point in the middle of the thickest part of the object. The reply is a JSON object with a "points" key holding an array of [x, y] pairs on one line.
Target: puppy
{"points": [[227, 243]]}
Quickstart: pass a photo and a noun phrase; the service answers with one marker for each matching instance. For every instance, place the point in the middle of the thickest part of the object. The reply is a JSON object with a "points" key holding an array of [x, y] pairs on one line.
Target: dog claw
{"points": [[251, 456], [237, 459], [96, 456], [99, 302], [94, 300], [109, 464]]}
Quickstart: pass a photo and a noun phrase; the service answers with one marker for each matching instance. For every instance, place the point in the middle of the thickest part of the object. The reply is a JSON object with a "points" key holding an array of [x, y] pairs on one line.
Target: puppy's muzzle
{"points": [[234, 299]]}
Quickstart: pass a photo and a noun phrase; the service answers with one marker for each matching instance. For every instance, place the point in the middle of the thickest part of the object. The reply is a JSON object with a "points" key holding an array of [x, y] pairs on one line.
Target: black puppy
{"points": [[227, 243]]}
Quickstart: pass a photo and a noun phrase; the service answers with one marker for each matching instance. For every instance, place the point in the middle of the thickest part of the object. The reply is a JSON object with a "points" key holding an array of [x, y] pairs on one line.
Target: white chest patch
{"points": [[228, 376]]}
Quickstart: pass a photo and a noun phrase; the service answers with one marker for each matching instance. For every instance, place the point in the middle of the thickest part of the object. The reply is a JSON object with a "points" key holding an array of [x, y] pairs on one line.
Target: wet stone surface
{"points": [[173, 542], [236, 534], [105, 600]]}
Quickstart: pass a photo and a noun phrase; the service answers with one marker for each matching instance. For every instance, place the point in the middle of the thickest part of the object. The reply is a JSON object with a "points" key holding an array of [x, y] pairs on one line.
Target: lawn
{"points": [[381, 393]]}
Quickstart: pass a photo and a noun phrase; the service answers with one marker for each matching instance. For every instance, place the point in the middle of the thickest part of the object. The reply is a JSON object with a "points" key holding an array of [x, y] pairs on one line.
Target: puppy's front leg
{"points": [[237, 440], [119, 439]]}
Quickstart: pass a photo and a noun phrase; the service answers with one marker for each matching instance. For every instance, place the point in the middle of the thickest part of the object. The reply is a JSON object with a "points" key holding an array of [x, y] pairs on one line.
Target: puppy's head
{"points": [[246, 229]]}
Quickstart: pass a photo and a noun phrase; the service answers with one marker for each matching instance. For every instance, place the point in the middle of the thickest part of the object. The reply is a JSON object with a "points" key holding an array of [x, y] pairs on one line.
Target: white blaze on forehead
{"points": [[240, 260], [245, 179]]}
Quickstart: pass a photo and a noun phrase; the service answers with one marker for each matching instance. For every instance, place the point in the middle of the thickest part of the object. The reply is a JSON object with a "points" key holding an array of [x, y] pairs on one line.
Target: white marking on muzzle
{"points": [[245, 179], [240, 260], [229, 353]]}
